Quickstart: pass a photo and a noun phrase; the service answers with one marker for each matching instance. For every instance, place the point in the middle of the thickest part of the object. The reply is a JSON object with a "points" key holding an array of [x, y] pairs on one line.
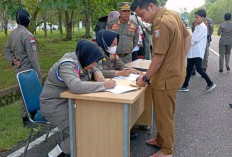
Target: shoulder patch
{"points": [[115, 27], [157, 33], [33, 44]]}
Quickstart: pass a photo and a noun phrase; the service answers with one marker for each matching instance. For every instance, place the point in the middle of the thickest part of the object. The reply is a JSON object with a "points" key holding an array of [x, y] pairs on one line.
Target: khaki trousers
{"points": [[224, 52], [206, 56], [164, 104], [60, 120]]}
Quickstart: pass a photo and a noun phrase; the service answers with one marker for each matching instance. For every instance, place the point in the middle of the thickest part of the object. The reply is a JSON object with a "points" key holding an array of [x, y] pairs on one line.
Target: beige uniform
{"points": [[128, 38], [109, 64], [169, 33], [22, 45], [225, 43]]}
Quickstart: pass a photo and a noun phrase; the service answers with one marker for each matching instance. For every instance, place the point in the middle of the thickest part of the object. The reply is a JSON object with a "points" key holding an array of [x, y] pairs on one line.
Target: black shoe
{"points": [[193, 72], [204, 69], [228, 68], [220, 70], [144, 127], [230, 104], [26, 122], [133, 135], [63, 155]]}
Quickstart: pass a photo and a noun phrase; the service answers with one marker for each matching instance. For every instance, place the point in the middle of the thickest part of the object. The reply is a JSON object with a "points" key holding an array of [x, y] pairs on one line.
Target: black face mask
{"points": [[23, 17]]}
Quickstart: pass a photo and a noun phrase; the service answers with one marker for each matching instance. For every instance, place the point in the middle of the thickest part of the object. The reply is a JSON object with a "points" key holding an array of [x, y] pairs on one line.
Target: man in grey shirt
{"points": [[21, 51], [225, 42]]}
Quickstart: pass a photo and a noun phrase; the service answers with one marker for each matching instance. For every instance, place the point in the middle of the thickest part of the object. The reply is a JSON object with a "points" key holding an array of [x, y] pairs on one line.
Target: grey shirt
{"points": [[76, 82], [225, 30], [22, 45]]}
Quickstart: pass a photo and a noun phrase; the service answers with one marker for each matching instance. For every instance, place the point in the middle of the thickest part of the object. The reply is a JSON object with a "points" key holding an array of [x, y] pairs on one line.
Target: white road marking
{"points": [[39, 140], [214, 52]]}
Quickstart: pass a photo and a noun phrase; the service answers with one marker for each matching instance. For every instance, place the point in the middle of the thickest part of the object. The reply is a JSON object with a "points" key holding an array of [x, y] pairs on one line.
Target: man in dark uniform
{"points": [[225, 42], [171, 42], [128, 32], [21, 51]]}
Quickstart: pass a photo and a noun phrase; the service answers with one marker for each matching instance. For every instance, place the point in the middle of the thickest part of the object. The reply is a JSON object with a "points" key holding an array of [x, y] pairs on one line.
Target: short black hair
{"points": [[143, 4], [201, 13], [227, 16]]}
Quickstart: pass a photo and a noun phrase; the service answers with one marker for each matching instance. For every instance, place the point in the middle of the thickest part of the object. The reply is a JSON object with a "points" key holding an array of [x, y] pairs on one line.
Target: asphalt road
{"points": [[203, 120]]}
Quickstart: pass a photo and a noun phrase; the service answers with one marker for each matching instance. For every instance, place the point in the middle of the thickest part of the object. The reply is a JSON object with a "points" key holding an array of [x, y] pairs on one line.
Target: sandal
{"points": [[160, 154], [152, 142]]}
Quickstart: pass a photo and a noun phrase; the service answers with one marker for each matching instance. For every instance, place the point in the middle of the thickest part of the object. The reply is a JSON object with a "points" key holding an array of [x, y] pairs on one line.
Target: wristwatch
{"points": [[145, 79]]}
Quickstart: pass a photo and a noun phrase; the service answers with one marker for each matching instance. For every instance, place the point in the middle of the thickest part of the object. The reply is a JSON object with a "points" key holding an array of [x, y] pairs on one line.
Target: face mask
{"points": [[112, 49]]}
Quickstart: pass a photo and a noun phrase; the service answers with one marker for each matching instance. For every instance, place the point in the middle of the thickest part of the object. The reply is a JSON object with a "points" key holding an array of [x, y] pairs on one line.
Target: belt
{"points": [[123, 55]]}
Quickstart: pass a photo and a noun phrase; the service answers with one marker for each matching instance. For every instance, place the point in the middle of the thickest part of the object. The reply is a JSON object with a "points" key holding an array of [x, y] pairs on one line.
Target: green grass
{"points": [[11, 128], [215, 29], [50, 50]]}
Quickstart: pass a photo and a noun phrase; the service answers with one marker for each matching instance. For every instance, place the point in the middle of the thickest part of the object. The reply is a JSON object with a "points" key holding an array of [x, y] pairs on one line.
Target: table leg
{"points": [[72, 131], [126, 130]]}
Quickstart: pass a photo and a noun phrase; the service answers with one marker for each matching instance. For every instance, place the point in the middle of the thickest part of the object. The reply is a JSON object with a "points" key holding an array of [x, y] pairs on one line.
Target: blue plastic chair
{"points": [[31, 89]]}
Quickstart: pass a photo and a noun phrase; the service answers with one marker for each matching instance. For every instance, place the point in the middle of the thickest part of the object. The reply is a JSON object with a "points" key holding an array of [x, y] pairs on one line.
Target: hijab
{"points": [[105, 37], [23, 17], [113, 15], [88, 52]]}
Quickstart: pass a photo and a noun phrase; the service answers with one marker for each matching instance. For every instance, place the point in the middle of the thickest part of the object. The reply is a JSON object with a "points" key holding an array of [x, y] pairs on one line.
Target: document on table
{"points": [[131, 77], [118, 89]]}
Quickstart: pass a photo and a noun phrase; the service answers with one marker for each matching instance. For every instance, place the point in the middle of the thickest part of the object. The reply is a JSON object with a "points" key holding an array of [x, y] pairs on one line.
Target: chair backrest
{"points": [[31, 89]]}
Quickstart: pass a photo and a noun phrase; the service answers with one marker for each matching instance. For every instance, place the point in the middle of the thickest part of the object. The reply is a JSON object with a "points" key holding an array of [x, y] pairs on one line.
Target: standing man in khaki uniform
{"points": [[171, 42], [21, 51], [128, 32], [225, 43]]}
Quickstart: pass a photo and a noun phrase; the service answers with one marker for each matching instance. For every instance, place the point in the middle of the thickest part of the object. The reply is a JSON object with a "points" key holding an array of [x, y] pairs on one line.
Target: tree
{"points": [[8, 9]]}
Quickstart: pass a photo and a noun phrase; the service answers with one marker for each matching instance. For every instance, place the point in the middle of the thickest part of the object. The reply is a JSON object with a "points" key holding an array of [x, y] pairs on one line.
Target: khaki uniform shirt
{"points": [[169, 33], [22, 45], [109, 64], [225, 30], [128, 35]]}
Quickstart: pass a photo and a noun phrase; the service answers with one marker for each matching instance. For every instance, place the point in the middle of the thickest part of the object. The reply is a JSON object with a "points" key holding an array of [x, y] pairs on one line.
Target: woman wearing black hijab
{"points": [[21, 52], [111, 65], [74, 72]]}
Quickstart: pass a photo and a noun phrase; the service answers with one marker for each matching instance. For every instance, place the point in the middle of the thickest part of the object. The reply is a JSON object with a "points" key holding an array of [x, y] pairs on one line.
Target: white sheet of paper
{"points": [[118, 89], [131, 77]]}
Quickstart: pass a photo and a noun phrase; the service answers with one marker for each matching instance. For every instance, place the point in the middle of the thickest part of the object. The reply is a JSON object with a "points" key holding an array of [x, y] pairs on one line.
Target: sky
{"points": [[189, 4]]}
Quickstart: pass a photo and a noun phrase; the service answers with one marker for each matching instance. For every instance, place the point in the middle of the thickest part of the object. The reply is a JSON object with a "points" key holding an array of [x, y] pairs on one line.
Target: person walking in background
{"points": [[22, 53], [196, 53], [225, 42], [171, 41], [209, 24]]}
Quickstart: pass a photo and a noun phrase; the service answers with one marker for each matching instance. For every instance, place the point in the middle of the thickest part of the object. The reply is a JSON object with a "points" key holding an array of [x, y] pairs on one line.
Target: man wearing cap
{"points": [[128, 32], [21, 51], [171, 42]]}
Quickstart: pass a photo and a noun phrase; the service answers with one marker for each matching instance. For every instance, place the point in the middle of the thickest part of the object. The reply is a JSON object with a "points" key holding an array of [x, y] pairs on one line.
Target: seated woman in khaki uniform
{"points": [[74, 72], [111, 65]]}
